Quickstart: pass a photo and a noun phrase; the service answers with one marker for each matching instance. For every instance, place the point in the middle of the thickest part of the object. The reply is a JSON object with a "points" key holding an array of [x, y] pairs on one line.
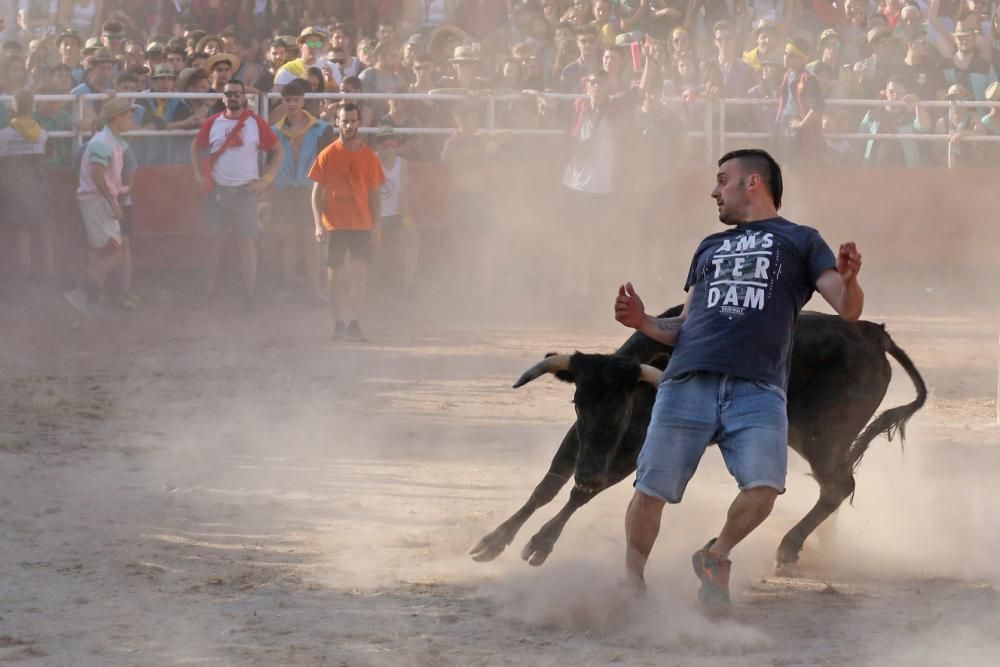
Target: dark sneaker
{"points": [[354, 332], [714, 575], [339, 331]]}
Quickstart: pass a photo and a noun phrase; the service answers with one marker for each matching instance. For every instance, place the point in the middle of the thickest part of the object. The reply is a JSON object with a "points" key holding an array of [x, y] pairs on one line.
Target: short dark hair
{"points": [[349, 106], [758, 161], [352, 80], [235, 82], [295, 88]]}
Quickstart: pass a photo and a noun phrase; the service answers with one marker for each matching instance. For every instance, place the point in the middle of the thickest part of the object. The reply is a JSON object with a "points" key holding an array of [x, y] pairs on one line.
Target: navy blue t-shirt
{"points": [[750, 282]]}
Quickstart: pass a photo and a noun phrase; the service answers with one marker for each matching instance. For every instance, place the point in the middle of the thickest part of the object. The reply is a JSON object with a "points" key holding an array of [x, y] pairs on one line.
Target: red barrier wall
{"points": [[915, 220]]}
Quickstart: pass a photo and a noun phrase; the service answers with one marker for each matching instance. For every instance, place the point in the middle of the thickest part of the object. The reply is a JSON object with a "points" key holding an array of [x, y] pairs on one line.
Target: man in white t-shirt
{"points": [[312, 45], [224, 156]]}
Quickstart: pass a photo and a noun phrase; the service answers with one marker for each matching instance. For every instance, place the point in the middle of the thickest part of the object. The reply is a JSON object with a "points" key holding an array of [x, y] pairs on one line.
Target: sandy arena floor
{"points": [[185, 487]]}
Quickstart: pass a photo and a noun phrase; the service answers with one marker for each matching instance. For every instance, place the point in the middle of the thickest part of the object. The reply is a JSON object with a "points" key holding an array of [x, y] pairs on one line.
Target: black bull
{"points": [[839, 376]]}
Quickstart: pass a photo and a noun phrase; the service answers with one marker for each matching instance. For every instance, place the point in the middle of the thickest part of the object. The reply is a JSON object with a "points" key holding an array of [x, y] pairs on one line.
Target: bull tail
{"points": [[892, 419]]}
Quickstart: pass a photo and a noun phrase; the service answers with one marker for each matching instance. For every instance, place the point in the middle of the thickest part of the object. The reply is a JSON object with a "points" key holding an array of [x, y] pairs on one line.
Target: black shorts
{"points": [[343, 241], [126, 222]]}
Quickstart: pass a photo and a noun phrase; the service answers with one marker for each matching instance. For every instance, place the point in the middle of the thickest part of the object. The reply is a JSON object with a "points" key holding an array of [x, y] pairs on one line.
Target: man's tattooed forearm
{"points": [[668, 324]]}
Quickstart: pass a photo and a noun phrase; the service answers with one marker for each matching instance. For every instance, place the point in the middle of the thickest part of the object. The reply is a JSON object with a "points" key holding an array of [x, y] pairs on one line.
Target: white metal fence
{"points": [[715, 122]]}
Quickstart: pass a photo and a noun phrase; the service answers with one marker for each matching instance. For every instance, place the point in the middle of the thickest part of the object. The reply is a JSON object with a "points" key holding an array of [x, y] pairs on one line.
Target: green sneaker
{"points": [[714, 575]]}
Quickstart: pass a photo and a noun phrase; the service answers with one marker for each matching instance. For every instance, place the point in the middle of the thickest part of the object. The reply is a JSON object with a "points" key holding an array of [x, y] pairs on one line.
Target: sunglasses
{"points": [[314, 44], [232, 93]]}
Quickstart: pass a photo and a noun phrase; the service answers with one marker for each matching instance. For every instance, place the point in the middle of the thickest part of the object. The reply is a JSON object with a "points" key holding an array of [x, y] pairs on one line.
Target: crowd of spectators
{"points": [[645, 73], [793, 54]]}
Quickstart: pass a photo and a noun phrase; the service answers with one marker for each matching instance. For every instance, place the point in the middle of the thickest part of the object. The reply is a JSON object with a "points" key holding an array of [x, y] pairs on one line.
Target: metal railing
{"points": [[726, 136], [714, 130]]}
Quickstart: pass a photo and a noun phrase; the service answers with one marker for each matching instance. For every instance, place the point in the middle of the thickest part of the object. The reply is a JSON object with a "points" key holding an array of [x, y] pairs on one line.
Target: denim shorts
{"points": [[236, 206], [747, 418]]}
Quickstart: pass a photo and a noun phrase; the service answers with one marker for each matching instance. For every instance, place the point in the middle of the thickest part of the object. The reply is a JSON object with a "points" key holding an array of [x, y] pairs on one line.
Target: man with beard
{"points": [[346, 208], [966, 57], [224, 157], [275, 56], [728, 372]]}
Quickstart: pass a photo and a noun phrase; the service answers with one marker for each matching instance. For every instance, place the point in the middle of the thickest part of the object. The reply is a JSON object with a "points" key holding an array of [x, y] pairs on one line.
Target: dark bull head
{"points": [[605, 401]]}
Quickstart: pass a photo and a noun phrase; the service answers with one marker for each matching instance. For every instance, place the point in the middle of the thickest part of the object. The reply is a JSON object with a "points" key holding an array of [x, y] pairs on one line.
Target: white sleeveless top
{"points": [[391, 188], [82, 18]]}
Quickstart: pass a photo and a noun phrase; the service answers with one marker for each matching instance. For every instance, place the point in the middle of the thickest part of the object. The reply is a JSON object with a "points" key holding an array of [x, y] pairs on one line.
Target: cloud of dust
{"points": [[585, 597], [928, 512]]}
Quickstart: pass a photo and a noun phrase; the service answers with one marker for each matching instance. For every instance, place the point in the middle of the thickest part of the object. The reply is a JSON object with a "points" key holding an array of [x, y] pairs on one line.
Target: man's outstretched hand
{"points": [[848, 262], [629, 309]]}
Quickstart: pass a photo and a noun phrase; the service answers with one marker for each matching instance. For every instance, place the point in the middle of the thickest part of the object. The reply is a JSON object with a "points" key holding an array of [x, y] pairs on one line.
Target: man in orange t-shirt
{"points": [[347, 207]]}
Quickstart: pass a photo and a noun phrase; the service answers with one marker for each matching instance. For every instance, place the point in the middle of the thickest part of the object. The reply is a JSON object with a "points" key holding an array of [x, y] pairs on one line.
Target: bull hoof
{"points": [[792, 570], [489, 547], [534, 554]]}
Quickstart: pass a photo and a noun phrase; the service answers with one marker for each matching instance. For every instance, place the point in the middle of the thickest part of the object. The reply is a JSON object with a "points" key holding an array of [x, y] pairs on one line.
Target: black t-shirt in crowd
{"points": [[749, 282]]}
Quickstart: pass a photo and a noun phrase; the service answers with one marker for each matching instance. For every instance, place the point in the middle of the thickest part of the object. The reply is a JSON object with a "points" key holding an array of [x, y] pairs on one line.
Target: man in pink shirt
{"points": [[99, 195]]}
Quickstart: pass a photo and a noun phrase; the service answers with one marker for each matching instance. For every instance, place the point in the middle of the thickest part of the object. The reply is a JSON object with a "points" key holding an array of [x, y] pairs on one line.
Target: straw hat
{"points": [[876, 34], [209, 38], [966, 28], [212, 61], [993, 92], [115, 107], [957, 90], [311, 31]]}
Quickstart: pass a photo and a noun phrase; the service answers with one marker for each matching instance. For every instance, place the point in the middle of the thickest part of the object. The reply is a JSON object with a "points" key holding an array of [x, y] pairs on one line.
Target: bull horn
{"points": [[553, 364], [650, 374]]}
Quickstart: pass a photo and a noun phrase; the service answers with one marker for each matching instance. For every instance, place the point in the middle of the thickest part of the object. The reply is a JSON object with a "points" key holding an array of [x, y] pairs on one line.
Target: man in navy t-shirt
{"points": [[728, 373]]}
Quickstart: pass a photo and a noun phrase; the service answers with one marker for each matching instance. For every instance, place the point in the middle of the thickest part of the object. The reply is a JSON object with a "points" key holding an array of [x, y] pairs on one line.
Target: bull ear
{"points": [[650, 374], [552, 363]]}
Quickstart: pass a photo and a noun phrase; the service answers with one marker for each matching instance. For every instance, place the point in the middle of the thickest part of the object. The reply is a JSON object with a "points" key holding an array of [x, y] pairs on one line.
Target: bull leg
{"points": [[541, 543], [493, 544], [831, 494]]}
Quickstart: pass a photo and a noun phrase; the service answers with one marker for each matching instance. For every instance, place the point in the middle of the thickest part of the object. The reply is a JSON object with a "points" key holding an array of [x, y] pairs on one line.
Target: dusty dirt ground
{"points": [[196, 487]]}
